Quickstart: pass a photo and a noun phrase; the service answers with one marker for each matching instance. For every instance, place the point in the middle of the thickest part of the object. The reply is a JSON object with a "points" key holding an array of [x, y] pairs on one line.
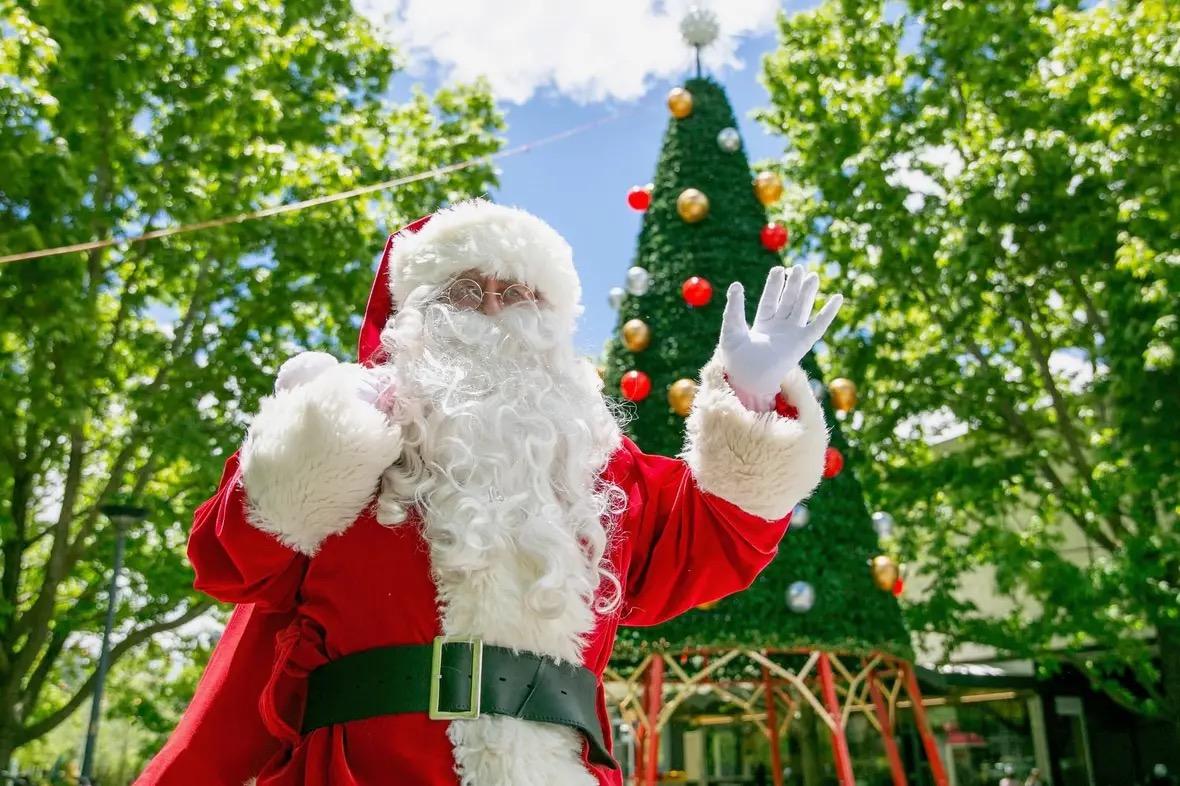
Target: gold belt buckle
{"points": [[472, 711]]}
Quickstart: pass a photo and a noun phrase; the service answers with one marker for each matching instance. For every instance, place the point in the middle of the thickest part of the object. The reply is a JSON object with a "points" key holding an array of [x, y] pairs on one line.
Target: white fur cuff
{"points": [[313, 457], [762, 462]]}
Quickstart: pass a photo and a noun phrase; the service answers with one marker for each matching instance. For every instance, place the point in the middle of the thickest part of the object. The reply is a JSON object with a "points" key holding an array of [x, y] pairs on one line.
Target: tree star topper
{"points": [[699, 27]]}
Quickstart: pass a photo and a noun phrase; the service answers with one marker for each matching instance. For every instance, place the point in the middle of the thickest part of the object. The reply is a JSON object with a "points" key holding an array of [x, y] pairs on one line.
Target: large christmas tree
{"points": [[819, 634], [830, 557]]}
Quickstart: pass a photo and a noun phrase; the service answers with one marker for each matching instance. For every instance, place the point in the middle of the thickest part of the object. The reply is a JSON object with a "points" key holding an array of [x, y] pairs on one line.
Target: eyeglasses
{"points": [[468, 295]]}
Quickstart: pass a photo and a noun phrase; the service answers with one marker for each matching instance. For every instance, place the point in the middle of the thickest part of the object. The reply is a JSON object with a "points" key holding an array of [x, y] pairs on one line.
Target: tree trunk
{"points": [[7, 742], [1168, 639]]}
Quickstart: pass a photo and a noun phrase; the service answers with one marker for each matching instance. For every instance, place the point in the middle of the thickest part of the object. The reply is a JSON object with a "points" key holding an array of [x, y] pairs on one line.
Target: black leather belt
{"points": [[458, 677]]}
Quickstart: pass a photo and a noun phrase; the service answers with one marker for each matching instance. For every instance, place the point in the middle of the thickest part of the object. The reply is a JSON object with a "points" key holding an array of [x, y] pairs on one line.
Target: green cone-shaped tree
{"points": [[832, 553]]}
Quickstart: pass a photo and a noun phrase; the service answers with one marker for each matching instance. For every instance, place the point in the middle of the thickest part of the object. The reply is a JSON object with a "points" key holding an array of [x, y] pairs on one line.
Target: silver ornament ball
{"points": [[638, 280], [729, 140], [800, 516], [615, 297], [817, 389], [800, 597], [699, 26], [883, 524]]}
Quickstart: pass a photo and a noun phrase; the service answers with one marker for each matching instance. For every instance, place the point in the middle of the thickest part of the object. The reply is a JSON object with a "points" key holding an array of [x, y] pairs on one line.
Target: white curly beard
{"points": [[506, 432]]}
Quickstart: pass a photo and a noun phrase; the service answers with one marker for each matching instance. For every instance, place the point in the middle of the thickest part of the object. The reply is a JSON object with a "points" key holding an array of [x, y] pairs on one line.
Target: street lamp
{"points": [[123, 516]]}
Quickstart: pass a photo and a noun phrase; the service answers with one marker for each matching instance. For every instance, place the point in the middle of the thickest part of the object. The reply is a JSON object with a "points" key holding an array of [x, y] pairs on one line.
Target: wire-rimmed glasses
{"points": [[467, 294]]}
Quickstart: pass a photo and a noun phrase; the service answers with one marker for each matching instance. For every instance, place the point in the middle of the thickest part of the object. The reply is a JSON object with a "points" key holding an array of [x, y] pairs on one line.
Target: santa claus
{"points": [[432, 550]]}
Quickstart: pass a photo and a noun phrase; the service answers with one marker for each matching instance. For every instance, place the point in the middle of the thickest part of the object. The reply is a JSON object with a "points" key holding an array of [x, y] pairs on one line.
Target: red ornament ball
{"points": [[775, 236], [639, 198], [833, 462], [898, 588], [696, 291], [635, 386]]}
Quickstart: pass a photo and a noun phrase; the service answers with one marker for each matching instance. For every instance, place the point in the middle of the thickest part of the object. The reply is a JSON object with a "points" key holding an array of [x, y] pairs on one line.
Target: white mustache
{"points": [[517, 331]]}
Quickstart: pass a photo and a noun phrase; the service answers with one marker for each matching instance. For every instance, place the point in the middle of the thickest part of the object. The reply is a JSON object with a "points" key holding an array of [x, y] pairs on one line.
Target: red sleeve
{"points": [[687, 546], [235, 561]]}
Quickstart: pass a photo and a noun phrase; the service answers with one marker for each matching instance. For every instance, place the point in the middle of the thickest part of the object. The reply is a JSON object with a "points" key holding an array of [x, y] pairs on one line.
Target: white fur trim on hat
{"points": [[760, 461], [500, 241]]}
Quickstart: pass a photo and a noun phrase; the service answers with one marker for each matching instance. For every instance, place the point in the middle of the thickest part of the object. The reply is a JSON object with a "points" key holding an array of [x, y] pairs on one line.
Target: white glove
{"points": [[758, 359]]}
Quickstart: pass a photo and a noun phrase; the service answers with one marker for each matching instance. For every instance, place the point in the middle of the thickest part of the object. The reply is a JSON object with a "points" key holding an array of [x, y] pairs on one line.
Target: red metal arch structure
{"points": [[835, 686]]}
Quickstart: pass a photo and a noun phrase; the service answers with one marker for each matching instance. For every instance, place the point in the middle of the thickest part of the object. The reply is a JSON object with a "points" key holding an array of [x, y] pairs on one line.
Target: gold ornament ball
{"points": [[885, 572], [679, 103], [767, 187], [843, 393], [708, 605], [680, 396], [601, 372], [636, 335], [692, 205]]}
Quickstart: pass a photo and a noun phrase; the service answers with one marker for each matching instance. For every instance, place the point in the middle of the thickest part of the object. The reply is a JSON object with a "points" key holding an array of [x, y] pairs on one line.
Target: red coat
{"points": [[682, 547], [677, 546]]}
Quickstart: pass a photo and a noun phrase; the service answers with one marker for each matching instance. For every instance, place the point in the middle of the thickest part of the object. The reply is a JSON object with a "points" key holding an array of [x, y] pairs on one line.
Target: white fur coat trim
{"points": [[313, 457], [501, 241], [762, 462]]}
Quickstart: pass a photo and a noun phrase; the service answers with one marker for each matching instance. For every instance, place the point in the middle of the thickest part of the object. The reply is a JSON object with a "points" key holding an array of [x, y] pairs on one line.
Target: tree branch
{"points": [[61, 633], [1020, 430], [139, 254], [103, 176], [15, 543], [32, 691], [1065, 422], [35, 622], [133, 639], [1116, 692], [182, 344], [1098, 325]]}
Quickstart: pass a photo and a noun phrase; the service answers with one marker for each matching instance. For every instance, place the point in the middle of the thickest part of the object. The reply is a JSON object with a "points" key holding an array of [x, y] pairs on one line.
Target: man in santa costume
{"points": [[431, 550]]}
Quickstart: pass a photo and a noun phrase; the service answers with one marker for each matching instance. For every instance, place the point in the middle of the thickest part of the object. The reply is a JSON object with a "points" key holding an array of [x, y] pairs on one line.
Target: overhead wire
{"points": [[325, 199]]}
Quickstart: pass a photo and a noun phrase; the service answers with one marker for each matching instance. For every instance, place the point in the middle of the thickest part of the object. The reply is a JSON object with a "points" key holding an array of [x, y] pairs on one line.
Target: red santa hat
{"points": [[499, 241]]}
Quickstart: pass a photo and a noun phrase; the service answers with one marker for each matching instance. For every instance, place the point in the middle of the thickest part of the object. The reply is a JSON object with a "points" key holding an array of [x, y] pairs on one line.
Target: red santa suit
{"points": [[314, 587]]}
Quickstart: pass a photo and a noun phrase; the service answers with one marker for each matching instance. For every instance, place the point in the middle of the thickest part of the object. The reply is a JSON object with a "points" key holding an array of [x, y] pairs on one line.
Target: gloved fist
{"points": [[757, 359]]}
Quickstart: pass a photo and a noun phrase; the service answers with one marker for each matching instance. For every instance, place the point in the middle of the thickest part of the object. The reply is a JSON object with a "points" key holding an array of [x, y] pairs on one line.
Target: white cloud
{"points": [[587, 51]]}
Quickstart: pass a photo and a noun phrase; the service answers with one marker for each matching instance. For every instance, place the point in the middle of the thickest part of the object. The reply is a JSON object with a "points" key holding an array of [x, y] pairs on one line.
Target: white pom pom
{"points": [[699, 26]]}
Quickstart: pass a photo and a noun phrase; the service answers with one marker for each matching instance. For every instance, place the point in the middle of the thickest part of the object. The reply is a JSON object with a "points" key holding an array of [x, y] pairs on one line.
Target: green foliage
{"points": [[129, 370], [1026, 294], [850, 615]]}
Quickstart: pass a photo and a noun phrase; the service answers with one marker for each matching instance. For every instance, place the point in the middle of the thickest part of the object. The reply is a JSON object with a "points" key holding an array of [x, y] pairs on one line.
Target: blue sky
{"points": [[579, 184]]}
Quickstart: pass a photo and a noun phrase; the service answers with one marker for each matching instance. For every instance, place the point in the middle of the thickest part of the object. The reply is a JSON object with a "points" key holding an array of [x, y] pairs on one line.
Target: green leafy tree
{"points": [[832, 553], [994, 186], [127, 370]]}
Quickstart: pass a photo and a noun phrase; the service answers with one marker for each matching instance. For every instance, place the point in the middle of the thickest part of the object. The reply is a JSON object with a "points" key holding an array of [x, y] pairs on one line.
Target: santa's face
{"points": [[506, 432]]}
